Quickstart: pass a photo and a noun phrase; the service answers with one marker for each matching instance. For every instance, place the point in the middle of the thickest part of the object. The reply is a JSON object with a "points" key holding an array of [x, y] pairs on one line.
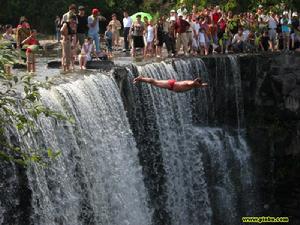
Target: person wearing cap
{"points": [[72, 12], [127, 23], [170, 37], [167, 36], [93, 23], [285, 22], [295, 29], [173, 16], [181, 28], [82, 26]]}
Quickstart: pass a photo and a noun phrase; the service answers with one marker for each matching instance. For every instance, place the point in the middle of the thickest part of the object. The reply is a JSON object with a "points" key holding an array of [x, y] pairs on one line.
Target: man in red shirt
{"points": [[181, 28], [216, 15]]}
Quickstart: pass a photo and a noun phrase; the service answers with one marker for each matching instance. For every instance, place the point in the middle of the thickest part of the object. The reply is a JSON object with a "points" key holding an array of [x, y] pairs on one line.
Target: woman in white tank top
{"points": [[150, 39]]}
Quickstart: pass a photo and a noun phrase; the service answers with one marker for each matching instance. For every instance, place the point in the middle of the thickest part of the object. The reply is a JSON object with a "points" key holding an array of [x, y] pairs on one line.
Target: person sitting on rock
{"points": [[172, 85], [86, 53]]}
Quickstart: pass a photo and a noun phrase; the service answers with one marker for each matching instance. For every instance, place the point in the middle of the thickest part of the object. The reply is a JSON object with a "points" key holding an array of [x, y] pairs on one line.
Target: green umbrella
{"points": [[143, 14]]}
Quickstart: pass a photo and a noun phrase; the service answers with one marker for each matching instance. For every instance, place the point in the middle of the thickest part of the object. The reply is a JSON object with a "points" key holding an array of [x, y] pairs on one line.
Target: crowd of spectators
{"points": [[210, 30]]}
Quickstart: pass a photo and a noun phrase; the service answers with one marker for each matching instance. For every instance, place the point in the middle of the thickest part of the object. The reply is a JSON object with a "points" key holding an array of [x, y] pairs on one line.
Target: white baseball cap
{"points": [[285, 13], [260, 6], [295, 14], [172, 11]]}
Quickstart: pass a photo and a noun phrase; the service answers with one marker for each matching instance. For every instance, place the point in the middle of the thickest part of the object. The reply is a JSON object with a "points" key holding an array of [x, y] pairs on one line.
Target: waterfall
{"points": [[97, 179], [238, 90], [208, 170], [168, 159]]}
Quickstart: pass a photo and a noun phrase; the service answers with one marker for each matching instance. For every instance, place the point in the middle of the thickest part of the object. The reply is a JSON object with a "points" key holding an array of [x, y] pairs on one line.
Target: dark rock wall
{"points": [[271, 101], [271, 90]]}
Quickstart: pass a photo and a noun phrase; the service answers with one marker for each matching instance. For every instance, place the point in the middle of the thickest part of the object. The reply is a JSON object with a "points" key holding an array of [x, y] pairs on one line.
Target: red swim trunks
{"points": [[171, 84]]}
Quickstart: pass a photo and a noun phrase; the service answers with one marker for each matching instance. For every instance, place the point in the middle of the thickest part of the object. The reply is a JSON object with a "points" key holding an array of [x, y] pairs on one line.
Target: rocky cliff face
{"points": [[271, 101], [271, 114], [272, 109]]}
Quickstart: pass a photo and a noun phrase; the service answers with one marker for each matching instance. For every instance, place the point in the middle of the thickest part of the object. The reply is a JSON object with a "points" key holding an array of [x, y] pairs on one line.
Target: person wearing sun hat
{"points": [[93, 24], [173, 16], [181, 28]]}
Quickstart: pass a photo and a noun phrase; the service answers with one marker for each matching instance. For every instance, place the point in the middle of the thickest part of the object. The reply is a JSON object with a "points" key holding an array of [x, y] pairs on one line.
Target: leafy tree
{"points": [[13, 104]]}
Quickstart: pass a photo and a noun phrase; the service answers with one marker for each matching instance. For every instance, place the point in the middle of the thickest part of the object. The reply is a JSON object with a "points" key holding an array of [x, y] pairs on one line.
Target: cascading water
{"points": [[97, 179], [182, 159], [208, 173]]}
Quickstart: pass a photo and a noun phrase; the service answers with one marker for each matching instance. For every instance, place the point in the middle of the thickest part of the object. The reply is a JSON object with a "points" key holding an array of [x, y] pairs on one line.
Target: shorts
{"points": [[160, 41], [66, 53], [138, 42], [80, 38], [202, 44], [86, 57], [195, 44], [30, 57], [295, 37], [109, 45], [171, 84], [272, 34], [116, 34]]}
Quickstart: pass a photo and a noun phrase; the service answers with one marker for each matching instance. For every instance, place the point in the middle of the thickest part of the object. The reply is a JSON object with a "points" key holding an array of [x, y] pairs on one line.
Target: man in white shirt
{"points": [[262, 19], [272, 25], [182, 10], [238, 41], [72, 12], [127, 23]]}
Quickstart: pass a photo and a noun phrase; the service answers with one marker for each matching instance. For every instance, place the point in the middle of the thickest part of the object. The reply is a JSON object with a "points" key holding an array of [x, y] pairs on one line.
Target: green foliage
{"points": [[21, 111], [230, 5]]}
